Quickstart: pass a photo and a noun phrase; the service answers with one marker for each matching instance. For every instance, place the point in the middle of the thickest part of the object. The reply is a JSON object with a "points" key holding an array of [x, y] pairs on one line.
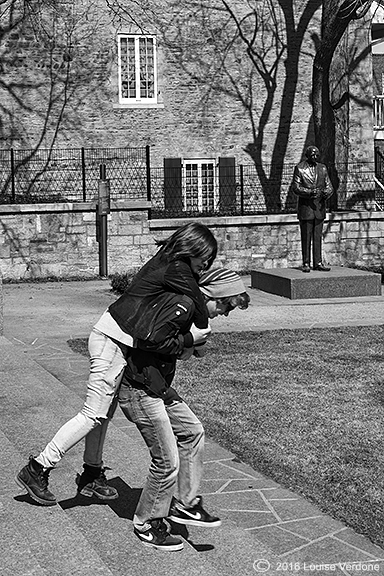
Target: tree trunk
{"points": [[335, 21], [323, 114]]}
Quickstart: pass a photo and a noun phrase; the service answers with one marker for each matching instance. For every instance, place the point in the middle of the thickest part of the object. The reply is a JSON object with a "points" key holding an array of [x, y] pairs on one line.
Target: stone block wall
{"points": [[249, 242], [59, 240]]}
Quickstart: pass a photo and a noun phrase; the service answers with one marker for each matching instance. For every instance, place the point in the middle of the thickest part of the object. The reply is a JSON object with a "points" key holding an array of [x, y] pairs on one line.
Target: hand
{"points": [[200, 335], [186, 353], [200, 351], [316, 193]]}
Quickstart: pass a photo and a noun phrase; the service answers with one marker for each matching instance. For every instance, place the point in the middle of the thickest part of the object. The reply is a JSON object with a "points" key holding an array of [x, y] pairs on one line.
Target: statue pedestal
{"points": [[337, 283]]}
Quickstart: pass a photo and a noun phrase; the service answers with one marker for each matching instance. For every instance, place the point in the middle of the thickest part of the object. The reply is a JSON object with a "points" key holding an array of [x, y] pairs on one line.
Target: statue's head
{"points": [[312, 154]]}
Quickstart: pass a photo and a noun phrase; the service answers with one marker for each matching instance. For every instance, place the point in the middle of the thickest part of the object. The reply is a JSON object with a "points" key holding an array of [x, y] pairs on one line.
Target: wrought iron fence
{"points": [[30, 176], [236, 191], [70, 175], [254, 190]]}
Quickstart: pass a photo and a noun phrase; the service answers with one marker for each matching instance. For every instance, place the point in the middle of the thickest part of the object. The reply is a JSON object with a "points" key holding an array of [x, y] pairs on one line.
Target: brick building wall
{"points": [[59, 240]]}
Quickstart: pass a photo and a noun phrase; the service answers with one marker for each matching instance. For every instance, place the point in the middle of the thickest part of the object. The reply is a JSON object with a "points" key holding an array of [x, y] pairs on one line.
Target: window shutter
{"points": [[173, 201], [227, 184]]}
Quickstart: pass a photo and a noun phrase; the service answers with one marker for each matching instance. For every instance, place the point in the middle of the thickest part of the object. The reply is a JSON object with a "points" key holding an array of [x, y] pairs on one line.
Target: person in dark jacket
{"points": [[175, 268], [172, 432], [312, 185]]}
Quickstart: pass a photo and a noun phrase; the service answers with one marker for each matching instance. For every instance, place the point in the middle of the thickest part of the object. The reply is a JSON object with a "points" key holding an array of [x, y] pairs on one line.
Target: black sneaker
{"points": [[158, 537], [195, 516], [93, 482], [34, 479]]}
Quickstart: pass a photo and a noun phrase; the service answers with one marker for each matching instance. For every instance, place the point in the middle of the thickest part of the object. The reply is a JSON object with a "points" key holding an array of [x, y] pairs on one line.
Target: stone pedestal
{"points": [[337, 283]]}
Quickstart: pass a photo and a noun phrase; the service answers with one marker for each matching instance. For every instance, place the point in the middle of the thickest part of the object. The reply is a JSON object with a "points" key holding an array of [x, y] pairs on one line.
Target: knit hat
{"points": [[221, 283]]}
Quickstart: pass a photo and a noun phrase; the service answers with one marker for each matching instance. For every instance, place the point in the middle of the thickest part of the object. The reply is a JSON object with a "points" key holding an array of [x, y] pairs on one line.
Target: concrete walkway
{"points": [[266, 528]]}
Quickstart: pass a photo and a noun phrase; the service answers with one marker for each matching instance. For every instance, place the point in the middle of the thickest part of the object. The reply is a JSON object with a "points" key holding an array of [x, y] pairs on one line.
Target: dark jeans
{"points": [[311, 233]]}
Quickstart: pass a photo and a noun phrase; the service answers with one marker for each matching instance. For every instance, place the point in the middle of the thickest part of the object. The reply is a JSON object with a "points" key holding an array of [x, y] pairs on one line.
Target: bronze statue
{"points": [[312, 185]]}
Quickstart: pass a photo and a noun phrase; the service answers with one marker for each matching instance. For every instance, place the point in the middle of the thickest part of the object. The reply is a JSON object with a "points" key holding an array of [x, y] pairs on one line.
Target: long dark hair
{"points": [[193, 240]]}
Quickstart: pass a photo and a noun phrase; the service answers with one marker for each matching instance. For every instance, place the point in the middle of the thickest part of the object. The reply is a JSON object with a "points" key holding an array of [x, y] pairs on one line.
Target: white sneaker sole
{"points": [[191, 522], [172, 548]]}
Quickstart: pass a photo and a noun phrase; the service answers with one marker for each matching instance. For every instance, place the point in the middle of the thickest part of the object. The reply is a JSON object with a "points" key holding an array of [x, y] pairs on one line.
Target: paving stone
{"points": [[327, 550], [280, 494], [230, 485], [215, 452], [279, 540], [350, 537], [315, 527], [220, 470], [247, 500], [294, 509], [249, 520]]}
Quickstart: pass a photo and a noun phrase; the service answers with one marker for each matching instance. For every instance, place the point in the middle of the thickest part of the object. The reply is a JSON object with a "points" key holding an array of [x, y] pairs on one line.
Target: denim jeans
{"points": [[107, 364], [175, 438]]}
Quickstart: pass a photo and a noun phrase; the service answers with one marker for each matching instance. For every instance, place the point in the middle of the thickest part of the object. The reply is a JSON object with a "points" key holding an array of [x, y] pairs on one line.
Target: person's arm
{"points": [[179, 278], [172, 330]]}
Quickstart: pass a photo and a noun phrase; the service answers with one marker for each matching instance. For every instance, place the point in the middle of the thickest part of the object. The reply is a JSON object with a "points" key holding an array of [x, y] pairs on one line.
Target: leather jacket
{"points": [[132, 311], [313, 187]]}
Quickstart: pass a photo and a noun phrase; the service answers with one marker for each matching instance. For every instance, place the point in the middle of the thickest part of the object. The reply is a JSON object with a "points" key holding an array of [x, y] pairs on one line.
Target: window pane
{"points": [[191, 187], [127, 63], [146, 58], [207, 187]]}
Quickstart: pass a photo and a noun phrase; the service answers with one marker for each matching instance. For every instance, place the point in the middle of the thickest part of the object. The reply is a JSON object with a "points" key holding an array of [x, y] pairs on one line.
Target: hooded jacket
{"points": [[151, 365]]}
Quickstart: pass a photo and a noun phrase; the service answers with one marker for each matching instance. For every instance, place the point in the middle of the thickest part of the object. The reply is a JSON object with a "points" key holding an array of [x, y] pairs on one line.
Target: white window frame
{"points": [[200, 185], [138, 100]]}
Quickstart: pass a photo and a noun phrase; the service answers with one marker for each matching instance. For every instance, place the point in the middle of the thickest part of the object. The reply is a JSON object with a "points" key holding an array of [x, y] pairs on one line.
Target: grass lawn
{"points": [[305, 407]]}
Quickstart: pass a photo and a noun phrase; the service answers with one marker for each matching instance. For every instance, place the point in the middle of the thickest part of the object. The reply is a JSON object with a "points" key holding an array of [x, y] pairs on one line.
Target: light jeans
{"points": [[107, 366], [175, 438]]}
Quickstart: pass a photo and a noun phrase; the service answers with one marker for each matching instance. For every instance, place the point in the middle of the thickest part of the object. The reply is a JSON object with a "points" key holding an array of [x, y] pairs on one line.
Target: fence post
{"points": [[103, 209], [13, 191], [83, 174], [148, 176], [241, 189]]}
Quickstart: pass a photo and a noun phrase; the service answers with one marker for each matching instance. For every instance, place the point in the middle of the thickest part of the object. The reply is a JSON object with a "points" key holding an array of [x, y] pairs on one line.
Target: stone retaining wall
{"points": [[39, 241]]}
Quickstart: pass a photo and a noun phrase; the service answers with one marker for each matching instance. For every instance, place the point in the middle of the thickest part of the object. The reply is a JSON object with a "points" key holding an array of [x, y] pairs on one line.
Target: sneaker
{"points": [[34, 479], [194, 516], [93, 482], [158, 537]]}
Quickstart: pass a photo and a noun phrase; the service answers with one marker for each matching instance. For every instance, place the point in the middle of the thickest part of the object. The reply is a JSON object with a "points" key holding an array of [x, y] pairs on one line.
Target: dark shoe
{"points": [[158, 537], [305, 268], [34, 479], [321, 268], [195, 516], [93, 482]]}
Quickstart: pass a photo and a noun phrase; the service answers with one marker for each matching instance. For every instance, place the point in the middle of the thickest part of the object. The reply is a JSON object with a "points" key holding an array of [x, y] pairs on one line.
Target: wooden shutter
{"points": [[227, 185], [173, 200]]}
